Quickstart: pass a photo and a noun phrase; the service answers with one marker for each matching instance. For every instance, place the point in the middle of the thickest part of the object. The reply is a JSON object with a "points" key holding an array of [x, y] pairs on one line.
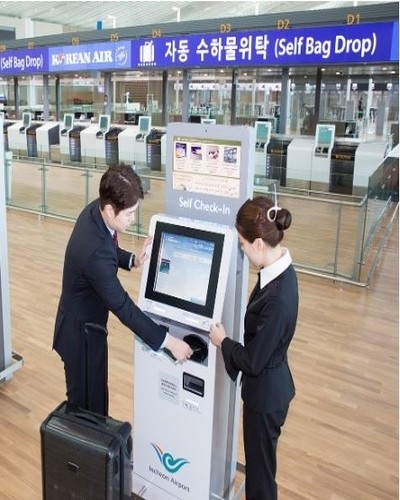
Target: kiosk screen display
{"points": [[68, 121], [325, 135], [262, 131], [26, 119], [104, 123], [184, 268], [144, 124]]}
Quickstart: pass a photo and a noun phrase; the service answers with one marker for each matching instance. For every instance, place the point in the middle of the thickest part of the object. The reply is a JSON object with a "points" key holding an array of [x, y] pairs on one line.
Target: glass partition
{"points": [[331, 235]]}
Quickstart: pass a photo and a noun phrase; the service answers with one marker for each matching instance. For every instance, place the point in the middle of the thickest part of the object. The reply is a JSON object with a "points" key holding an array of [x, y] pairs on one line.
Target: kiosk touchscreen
{"points": [[184, 287], [144, 127], [26, 122], [183, 253], [68, 123], [324, 138], [104, 125]]}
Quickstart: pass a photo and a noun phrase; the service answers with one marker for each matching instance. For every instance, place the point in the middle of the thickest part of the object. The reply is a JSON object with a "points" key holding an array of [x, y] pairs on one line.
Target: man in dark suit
{"points": [[91, 289]]}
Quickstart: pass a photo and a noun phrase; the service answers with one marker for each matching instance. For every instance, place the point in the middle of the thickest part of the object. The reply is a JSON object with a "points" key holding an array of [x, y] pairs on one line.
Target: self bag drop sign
{"points": [[99, 56], [360, 43], [24, 61]]}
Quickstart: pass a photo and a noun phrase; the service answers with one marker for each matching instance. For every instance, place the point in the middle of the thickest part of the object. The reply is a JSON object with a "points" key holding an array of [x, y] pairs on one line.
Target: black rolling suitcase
{"points": [[85, 456]]}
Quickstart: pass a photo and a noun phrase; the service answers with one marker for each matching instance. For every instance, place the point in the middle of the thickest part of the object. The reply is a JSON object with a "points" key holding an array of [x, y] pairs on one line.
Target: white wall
{"points": [[26, 28]]}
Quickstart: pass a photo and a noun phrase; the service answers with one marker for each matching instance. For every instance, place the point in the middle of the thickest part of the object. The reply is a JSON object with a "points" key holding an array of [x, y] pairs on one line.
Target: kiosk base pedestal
{"points": [[142, 489]]}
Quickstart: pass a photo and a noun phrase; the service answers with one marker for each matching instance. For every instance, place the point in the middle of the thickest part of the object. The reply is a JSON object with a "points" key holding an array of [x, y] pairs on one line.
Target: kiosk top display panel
{"points": [[186, 275], [26, 119], [68, 120], [325, 135], [144, 124], [104, 123], [263, 131], [209, 170]]}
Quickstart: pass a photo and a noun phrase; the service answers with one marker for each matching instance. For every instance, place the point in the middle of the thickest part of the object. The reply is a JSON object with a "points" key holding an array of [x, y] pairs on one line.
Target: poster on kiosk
{"points": [[185, 433]]}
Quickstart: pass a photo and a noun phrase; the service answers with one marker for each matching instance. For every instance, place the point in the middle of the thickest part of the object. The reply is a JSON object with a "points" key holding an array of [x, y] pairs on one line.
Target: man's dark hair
{"points": [[120, 187]]}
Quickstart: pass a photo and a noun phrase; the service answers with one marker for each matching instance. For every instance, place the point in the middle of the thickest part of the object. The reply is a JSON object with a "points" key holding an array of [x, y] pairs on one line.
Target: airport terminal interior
{"points": [[211, 103]]}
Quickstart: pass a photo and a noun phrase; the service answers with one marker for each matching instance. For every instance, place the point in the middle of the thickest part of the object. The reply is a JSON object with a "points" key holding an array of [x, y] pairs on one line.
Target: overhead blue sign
{"points": [[358, 43], [27, 61], [99, 56]]}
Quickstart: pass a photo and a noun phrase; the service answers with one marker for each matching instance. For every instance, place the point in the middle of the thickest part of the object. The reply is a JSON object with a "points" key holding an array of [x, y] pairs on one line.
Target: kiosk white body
{"points": [[93, 140], [175, 443], [321, 160], [369, 156], [47, 135], [299, 159], [186, 415], [126, 144], [64, 130], [17, 140]]}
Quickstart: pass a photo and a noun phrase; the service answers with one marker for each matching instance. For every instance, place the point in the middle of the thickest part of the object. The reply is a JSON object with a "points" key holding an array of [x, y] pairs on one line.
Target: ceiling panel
{"points": [[84, 14]]}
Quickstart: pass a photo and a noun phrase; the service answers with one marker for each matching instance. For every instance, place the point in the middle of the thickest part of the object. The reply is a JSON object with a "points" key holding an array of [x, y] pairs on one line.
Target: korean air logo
{"points": [[169, 463], [58, 59], [121, 55], [146, 56]]}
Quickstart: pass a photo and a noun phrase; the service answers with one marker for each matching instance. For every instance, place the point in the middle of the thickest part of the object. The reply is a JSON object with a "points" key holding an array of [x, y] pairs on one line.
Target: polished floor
{"points": [[340, 441]]}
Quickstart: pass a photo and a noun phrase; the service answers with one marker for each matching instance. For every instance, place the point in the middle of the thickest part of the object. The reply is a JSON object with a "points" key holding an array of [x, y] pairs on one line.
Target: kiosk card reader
{"points": [[184, 287], [263, 136], [321, 161]]}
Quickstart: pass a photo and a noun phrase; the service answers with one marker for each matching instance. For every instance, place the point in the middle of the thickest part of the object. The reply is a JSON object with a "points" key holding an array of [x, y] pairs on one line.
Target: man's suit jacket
{"points": [[269, 325], [91, 288]]}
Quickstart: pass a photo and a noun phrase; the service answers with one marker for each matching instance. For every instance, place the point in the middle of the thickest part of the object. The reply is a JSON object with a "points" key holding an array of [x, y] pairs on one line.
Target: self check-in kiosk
{"points": [[47, 135], [17, 138], [186, 414], [140, 145], [64, 130], [263, 136], [93, 141], [132, 143], [322, 153]]}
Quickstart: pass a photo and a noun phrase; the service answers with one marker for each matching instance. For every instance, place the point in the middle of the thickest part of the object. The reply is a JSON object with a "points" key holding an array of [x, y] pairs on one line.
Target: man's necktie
{"points": [[115, 239]]}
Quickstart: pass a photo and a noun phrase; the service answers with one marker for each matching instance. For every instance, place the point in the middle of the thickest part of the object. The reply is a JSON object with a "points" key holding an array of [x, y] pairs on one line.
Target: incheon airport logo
{"points": [[169, 463]]}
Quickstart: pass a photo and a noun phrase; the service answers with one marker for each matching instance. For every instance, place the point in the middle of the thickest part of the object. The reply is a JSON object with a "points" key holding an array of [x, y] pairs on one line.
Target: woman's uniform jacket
{"points": [[269, 325]]}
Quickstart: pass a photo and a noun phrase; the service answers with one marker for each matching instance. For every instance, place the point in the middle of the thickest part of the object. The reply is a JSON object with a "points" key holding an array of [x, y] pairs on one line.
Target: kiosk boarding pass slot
{"points": [[324, 139]]}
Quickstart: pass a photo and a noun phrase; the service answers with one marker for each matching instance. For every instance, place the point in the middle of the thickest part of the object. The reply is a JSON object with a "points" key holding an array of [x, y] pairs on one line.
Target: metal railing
{"points": [[333, 236]]}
